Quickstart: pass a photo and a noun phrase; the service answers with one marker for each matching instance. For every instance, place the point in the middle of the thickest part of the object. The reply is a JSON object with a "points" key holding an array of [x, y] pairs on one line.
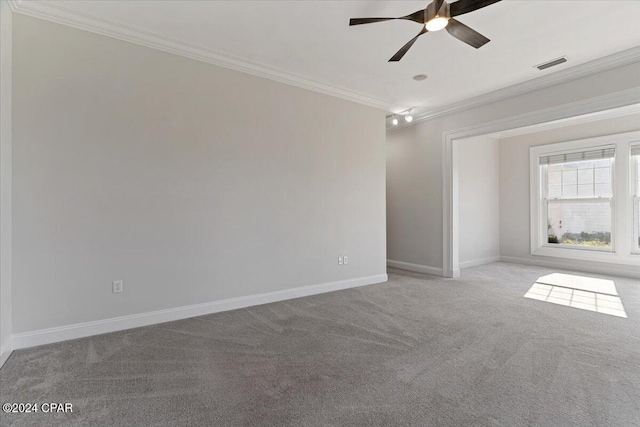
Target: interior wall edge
{"points": [[5, 351], [6, 179]]}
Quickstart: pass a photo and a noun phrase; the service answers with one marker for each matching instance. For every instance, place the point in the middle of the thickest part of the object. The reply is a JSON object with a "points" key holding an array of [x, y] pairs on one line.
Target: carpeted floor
{"points": [[418, 350]]}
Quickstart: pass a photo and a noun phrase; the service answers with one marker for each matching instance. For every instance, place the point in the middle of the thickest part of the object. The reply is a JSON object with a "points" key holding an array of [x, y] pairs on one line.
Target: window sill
{"points": [[584, 254], [598, 249]]}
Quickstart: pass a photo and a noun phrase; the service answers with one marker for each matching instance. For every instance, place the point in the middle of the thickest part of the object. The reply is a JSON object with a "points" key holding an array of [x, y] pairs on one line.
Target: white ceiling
{"points": [[312, 39]]}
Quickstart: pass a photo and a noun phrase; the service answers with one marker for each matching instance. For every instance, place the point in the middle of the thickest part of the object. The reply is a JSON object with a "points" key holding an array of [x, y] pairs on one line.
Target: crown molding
{"points": [[56, 12], [586, 69], [626, 110], [13, 4]]}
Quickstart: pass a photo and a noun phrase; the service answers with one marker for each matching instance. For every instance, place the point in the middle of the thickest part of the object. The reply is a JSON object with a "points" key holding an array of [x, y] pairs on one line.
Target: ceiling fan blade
{"points": [[399, 54], [417, 16], [465, 6], [360, 21], [471, 37], [438, 5]]}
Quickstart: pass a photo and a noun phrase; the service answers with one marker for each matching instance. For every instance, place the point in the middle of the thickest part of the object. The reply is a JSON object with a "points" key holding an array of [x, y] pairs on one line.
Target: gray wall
{"points": [[479, 195], [415, 159], [190, 182], [414, 195], [5, 179], [514, 181]]}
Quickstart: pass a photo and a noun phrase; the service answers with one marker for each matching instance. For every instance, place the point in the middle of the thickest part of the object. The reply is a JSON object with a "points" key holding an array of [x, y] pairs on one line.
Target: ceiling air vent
{"points": [[552, 63]]}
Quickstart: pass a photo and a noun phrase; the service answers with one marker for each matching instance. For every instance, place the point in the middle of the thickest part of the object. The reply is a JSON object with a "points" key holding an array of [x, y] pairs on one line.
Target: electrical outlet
{"points": [[340, 261], [346, 259], [118, 286]]}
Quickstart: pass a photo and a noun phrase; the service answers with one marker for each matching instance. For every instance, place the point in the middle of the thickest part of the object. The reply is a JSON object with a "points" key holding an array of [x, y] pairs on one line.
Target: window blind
{"points": [[635, 150], [593, 154]]}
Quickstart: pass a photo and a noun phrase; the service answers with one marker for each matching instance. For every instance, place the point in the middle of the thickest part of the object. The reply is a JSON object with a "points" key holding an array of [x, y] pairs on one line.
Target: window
{"points": [[585, 199], [578, 197], [635, 177]]}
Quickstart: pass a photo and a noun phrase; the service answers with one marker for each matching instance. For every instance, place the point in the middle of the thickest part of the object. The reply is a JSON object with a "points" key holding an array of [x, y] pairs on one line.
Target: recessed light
{"points": [[419, 77]]}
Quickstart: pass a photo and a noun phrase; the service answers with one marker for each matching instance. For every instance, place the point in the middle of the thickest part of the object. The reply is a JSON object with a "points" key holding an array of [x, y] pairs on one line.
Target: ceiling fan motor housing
{"points": [[431, 12]]}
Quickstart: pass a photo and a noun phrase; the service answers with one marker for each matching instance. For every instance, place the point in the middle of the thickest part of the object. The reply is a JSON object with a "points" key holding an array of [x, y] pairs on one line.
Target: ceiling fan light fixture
{"points": [[436, 23], [437, 15]]}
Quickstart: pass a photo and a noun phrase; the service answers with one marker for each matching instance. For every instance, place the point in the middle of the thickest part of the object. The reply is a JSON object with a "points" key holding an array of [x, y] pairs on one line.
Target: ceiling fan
{"points": [[438, 15]]}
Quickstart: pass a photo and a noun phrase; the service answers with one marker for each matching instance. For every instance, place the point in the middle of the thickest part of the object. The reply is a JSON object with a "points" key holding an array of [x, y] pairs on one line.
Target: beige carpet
{"points": [[417, 350]]}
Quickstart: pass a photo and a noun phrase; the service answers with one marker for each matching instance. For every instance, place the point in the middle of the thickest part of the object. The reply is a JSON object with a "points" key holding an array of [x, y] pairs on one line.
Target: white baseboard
{"points": [[477, 262], [418, 268], [565, 264], [80, 330], [6, 351]]}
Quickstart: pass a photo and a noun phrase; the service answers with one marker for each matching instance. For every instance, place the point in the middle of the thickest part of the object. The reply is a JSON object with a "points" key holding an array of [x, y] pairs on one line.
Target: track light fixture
{"points": [[395, 117], [408, 117]]}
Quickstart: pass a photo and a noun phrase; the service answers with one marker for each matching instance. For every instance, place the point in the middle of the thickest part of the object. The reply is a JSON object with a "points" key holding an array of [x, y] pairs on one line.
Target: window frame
{"points": [[634, 196], [545, 204], [622, 250]]}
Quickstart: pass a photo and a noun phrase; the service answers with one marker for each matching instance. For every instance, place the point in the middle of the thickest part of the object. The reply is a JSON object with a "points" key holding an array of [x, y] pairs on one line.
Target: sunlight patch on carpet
{"points": [[585, 293]]}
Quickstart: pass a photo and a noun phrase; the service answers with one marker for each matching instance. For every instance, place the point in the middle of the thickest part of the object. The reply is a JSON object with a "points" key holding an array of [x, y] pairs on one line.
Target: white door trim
{"points": [[595, 108]]}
